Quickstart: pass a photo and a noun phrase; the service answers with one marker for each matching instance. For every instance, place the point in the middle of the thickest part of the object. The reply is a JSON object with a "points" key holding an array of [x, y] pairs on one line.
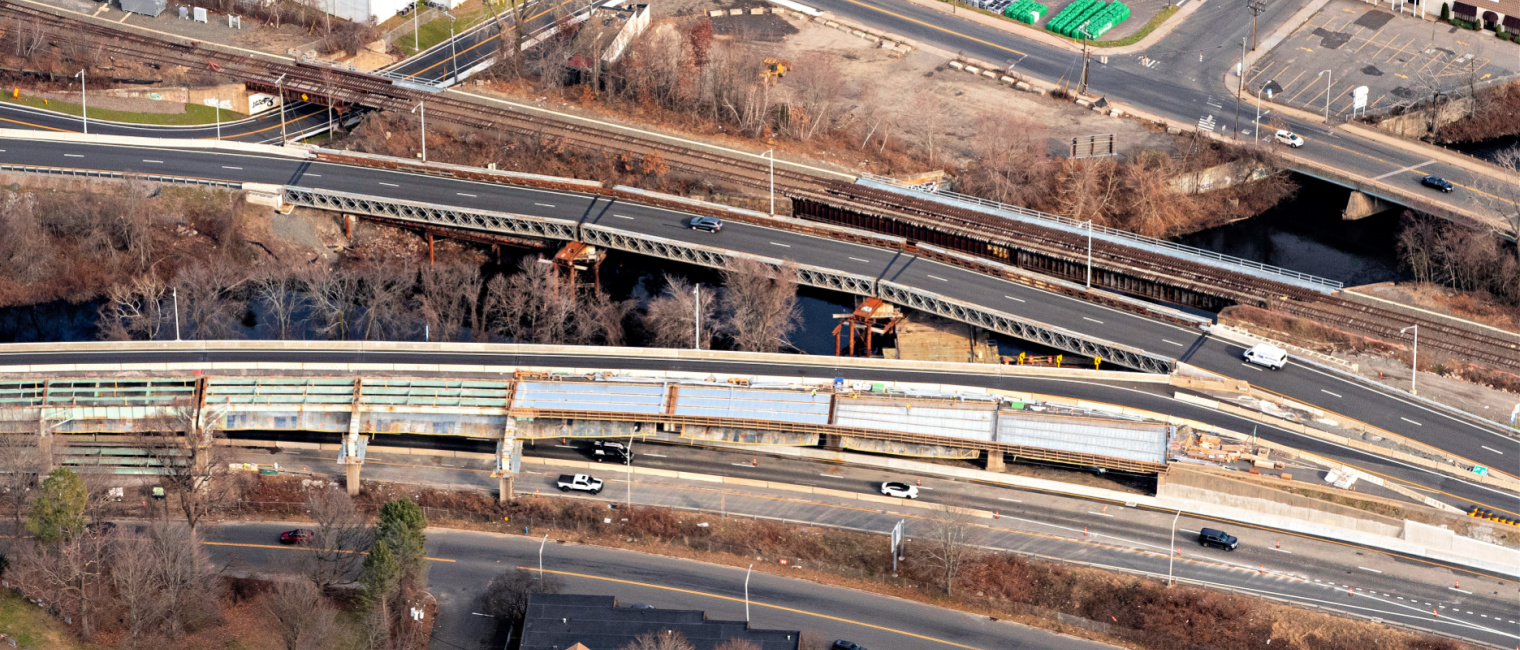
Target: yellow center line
{"points": [[933, 26], [757, 603], [487, 40], [294, 547]]}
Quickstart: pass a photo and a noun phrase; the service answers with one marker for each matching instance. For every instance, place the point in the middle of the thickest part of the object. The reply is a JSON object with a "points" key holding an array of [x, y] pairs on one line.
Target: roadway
{"points": [[463, 562], [438, 64], [1107, 534], [1376, 405]]}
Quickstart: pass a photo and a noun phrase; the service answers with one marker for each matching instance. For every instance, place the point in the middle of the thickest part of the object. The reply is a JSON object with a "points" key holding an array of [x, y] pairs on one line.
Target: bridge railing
{"points": [[1108, 234]]}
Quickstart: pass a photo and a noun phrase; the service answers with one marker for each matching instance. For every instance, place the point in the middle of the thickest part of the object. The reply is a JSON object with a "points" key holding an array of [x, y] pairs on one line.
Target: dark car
{"points": [[846, 645], [710, 224], [616, 451], [1213, 537], [297, 536], [100, 528], [1438, 183]]}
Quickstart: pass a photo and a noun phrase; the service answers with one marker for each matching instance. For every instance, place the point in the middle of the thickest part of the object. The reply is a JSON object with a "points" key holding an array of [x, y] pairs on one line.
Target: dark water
{"points": [[1488, 149], [1306, 234]]}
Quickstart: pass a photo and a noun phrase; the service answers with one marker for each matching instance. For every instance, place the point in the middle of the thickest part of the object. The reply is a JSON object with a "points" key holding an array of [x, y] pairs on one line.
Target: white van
{"points": [[1268, 355]]}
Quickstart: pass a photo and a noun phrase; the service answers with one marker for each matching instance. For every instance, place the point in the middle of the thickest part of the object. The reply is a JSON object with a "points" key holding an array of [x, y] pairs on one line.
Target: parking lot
{"points": [[1399, 58]]}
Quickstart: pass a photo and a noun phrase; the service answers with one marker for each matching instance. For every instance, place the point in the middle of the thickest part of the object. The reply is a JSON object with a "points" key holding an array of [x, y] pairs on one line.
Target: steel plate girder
{"points": [[1017, 327], [483, 220]]}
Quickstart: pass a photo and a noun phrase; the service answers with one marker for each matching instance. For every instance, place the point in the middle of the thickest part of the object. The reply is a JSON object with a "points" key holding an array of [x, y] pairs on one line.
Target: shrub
{"points": [[1445, 11]]}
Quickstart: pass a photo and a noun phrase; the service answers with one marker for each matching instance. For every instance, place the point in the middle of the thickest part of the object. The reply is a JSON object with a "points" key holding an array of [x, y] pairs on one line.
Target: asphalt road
{"points": [[1487, 445], [439, 63], [264, 128], [464, 562]]}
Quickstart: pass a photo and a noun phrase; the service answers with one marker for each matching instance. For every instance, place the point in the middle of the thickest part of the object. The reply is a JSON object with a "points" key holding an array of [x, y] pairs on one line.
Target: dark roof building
{"points": [[560, 621]]}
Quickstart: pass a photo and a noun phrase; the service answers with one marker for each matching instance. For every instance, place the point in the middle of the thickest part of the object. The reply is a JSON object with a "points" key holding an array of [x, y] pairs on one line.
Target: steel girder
{"points": [[813, 276], [1014, 326], [483, 220]]}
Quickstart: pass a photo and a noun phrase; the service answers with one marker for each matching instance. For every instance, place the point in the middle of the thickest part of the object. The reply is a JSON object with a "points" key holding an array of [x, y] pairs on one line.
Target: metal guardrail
{"points": [[1110, 234], [611, 238], [91, 173]]}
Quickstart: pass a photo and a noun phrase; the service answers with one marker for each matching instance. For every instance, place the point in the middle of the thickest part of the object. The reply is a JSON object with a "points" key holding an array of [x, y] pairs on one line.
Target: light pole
{"points": [[1414, 364], [1172, 553], [771, 154], [1327, 75], [628, 460], [279, 84], [1239, 87], [416, 43], [175, 293], [1089, 254], [453, 51], [541, 543], [84, 108], [1257, 134], [696, 317], [422, 106], [746, 592], [219, 119]]}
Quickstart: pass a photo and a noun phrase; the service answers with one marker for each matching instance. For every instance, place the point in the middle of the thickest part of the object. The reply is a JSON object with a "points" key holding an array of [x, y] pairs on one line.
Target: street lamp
{"points": [[771, 154], [175, 293], [1414, 363], [84, 108], [279, 84], [1257, 137], [1172, 552], [696, 316], [453, 51], [746, 592], [1327, 75], [422, 106], [541, 543], [1089, 254]]}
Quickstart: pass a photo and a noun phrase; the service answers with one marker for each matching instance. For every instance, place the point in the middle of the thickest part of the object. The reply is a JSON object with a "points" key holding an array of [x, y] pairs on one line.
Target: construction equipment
{"points": [[774, 69]]}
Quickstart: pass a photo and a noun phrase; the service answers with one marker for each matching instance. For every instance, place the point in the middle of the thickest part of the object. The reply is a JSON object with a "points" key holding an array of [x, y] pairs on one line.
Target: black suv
{"points": [[1212, 537], [1437, 182], [845, 645], [616, 451]]}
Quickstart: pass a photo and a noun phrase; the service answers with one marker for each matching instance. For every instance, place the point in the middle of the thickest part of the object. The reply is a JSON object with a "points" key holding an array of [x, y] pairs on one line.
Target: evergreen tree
{"points": [[380, 575], [401, 528], [58, 513]]}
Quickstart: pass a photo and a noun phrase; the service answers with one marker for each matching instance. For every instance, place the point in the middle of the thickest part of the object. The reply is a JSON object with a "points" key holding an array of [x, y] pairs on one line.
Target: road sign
{"points": [[1359, 97], [897, 537]]}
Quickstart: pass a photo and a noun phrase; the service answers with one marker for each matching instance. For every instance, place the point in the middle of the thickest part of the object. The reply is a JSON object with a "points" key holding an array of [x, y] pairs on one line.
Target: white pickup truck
{"points": [[580, 482]]}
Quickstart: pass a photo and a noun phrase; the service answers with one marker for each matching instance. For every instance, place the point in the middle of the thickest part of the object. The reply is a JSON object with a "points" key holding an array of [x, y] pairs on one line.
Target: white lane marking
{"points": [[390, 185], [1093, 320], [1008, 499], [1492, 449], [1015, 299], [623, 216], [1251, 367], [1367, 569], [469, 195], [1279, 550], [158, 162], [742, 464], [1329, 393], [655, 455], [565, 446], [1100, 514], [313, 175], [1411, 422], [776, 243], [939, 278], [1190, 532], [1411, 167], [73, 155], [861, 260], [1173, 343], [544, 205], [231, 167], [830, 476]]}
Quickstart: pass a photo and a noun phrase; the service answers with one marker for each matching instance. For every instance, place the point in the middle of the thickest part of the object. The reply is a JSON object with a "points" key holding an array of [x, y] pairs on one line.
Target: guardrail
{"points": [[1113, 235]]}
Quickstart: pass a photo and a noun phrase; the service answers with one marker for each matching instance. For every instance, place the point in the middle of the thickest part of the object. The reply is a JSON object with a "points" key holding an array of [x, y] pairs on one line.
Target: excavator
{"points": [[774, 69]]}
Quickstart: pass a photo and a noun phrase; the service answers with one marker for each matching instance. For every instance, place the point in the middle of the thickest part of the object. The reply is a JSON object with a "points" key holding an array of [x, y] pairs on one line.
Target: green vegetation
{"points": [[1145, 31], [436, 31], [58, 513], [31, 626], [195, 114]]}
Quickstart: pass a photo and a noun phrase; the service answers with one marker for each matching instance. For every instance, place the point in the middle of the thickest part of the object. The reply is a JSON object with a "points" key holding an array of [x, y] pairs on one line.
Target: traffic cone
{"points": [[997, 514], [755, 461], [1084, 531], [1262, 569], [1459, 584], [1105, 510], [1279, 543], [1433, 611], [920, 482]]}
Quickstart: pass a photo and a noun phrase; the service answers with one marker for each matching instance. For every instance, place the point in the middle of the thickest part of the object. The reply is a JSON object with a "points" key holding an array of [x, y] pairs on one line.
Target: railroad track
{"points": [[974, 227]]}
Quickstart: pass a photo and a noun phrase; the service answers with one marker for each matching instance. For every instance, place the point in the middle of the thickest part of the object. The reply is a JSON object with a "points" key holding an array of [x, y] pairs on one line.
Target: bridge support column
{"points": [[995, 461], [44, 445], [1361, 206], [351, 478], [508, 461], [351, 452]]}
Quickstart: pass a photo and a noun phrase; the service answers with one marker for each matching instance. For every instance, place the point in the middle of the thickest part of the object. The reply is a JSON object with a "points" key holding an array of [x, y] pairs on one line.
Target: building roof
{"points": [[145, 7], [560, 621]]}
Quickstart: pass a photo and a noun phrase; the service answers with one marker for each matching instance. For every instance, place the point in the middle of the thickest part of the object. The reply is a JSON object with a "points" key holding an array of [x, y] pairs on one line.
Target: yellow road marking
{"points": [[932, 26], [757, 603], [1306, 50], [296, 547]]}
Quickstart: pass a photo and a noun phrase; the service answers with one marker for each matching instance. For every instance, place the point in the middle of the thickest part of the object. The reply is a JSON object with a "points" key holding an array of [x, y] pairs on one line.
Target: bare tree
{"points": [[69, 575], [448, 298], [341, 535], [20, 474], [671, 317], [384, 293], [334, 296], [135, 309], [301, 615], [662, 640], [950, 542], [533, 305], [280, 302], [1507, 191], [135, 578], [599, 319], [506, 596], [209, 307], [188, 582], [760, 304], [738, 644], [184, 443]]}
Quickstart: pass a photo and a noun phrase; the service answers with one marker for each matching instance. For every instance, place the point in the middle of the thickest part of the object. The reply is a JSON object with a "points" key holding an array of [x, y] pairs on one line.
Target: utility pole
{"points": [[1172, 552], [1256, 135], [84, 108], [628, 460], [1327, 74], [746, 592], [1256, 7], [280, 85], [1089, 254], [771, 154], [453, 51], [1235, 133], [1082, 85], [416, 38], [1414, 364], [696, 316], [423, 107]]}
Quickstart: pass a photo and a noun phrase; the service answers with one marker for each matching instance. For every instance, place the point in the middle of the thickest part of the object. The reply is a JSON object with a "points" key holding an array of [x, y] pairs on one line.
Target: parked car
{"points": [[710, 224], [615, 451], [899, 489], [846, 645], [1267, 355], [1438, 183], [1289, 138], [297, 536], [1215, 537], [580, 483]]}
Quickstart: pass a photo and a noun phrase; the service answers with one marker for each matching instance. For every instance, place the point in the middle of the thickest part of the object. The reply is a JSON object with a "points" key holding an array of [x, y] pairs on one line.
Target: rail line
{"points": [[1047, 250]]}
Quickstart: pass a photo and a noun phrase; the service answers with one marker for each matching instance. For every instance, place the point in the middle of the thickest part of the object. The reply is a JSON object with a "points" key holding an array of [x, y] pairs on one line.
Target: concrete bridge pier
{"points": [[508, 461], [1361, 206], [995, 461], [351, 478]]}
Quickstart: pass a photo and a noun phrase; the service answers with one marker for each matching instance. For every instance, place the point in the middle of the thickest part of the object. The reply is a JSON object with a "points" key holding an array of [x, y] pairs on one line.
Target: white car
{"points": [[1267, 355], [1290, 138], [899, 489]]}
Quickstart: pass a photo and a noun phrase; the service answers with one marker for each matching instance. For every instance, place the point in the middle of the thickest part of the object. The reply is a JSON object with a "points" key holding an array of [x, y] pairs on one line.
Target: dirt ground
{"points": [[1443, 300]]}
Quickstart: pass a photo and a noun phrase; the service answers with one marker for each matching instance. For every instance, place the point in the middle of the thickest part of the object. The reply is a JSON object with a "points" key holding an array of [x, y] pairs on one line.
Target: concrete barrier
{"points": [[158, 143]]}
